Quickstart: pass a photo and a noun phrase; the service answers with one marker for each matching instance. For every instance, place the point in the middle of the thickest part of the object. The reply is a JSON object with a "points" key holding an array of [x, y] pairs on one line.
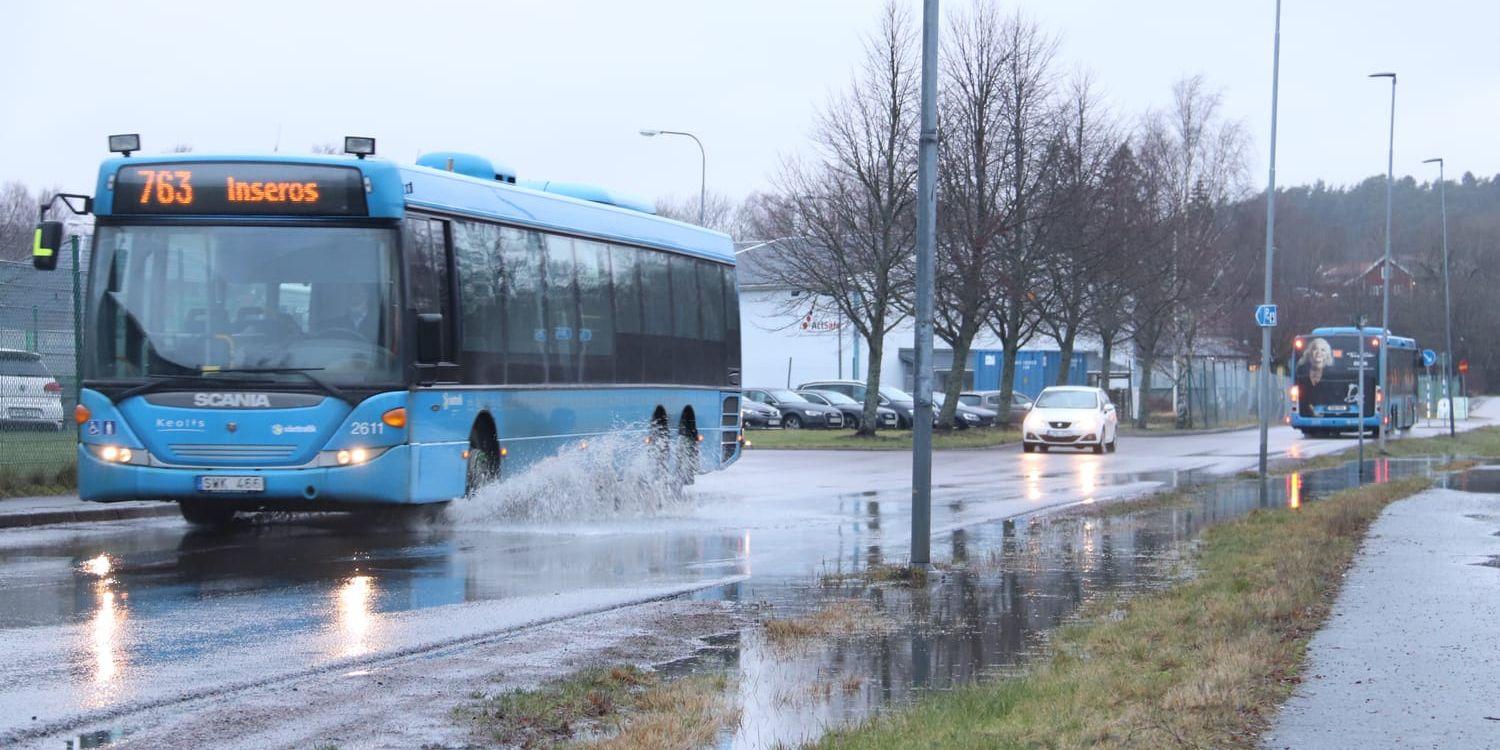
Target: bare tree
{"points": [[1027, 114], [1073, 228], [1193, 160], [181, 148], [327, 147], [1127, 231], [18, 217], [720, 212], [848, 209], [972, 159]]}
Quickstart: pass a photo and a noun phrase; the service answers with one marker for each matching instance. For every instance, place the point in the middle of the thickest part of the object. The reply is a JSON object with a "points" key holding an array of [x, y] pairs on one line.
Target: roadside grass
{"points": [[884, 440], [1168, 426], [880, 573], [37, 462], [610, 708], [1472, 444], [1203, 664], [841, 617]]}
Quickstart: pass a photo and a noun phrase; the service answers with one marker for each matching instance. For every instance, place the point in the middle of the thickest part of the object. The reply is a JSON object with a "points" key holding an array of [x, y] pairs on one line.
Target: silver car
{"points": [[29, 396]]}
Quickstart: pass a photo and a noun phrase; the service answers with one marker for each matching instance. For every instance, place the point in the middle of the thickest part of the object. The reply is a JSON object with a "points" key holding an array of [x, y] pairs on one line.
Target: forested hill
{"points": [[1326, 234]]}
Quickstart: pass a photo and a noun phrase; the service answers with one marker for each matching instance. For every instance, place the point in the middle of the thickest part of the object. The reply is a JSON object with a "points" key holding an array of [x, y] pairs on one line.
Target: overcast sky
{"points": [[559, 89]]}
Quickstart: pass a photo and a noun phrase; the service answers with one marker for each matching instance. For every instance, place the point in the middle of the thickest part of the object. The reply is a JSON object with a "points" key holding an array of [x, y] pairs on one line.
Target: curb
{"points": [[1185, 433], [53, 517]]}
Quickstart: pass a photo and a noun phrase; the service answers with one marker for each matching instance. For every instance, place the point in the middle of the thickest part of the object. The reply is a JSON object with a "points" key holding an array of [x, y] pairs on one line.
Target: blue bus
{"points": [[331, 333], [1326, 385]]}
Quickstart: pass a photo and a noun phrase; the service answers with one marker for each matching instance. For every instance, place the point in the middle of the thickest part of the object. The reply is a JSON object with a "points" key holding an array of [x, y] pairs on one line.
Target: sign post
{"points": [[1267, 322]]}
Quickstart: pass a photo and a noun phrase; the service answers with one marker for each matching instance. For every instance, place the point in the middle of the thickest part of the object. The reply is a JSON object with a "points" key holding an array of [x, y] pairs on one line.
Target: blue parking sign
{"points": [[1265, 316]]}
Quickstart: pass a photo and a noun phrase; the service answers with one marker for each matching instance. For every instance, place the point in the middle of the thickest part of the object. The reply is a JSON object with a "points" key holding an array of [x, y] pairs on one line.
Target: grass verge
{"points": [[841, 617], [607, 708], [43, 480], [884, 440], [1204, 664], [1481, 443]]}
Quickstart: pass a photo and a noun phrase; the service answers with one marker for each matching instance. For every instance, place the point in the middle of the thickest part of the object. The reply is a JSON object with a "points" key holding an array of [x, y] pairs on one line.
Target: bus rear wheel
{"points": [[207, 514]]}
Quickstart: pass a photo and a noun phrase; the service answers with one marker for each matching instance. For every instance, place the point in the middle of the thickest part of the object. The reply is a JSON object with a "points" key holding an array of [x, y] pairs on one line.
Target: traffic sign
{"points": [[1265, 316], [1429, 357]]}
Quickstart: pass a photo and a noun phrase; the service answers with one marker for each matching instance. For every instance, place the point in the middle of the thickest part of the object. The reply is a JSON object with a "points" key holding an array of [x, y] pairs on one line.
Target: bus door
{"points": [[429, 284]]}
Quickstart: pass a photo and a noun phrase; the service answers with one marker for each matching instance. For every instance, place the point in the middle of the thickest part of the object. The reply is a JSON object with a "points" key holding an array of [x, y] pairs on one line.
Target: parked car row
{"points": [[1062, 416]]}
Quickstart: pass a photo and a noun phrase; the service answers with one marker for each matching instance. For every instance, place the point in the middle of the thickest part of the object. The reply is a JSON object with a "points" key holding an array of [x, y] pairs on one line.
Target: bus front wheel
{"points": [[212, 515], [483, 463]]}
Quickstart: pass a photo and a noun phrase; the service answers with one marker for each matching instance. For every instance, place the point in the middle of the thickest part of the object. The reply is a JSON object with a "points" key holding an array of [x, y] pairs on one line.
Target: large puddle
{"points": [[97, 619], [998, 590]]}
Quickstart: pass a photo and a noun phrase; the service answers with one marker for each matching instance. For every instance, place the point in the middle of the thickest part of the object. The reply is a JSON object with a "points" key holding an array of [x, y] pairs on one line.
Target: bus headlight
{"points": [[348, 456], [118, 454]]}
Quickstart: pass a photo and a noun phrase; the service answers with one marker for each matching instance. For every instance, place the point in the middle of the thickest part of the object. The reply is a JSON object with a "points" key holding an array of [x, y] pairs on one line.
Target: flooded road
{"points": [[102, 621]]}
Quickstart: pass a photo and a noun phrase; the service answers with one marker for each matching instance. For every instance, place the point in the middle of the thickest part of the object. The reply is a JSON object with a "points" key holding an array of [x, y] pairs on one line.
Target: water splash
{"points": [[609, 476]]}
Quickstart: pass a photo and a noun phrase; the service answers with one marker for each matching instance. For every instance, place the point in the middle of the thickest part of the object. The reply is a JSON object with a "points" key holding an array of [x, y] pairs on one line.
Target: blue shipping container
{"points": [[1035, 369]]}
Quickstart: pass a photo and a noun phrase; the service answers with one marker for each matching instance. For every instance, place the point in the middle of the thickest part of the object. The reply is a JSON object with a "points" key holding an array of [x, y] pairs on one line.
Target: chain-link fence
{"points": [[1226, 393], [39, 341]]}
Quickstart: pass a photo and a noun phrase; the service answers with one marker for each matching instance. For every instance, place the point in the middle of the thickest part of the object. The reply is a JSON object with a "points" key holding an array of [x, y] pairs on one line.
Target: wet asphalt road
{"points": [[99, 620]]}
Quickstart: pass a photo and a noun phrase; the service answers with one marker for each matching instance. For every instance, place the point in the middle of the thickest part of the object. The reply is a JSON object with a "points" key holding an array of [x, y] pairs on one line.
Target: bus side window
{"points": [[630, 344], [526, 336], [482, 278], [731, 325], [656, 304]]}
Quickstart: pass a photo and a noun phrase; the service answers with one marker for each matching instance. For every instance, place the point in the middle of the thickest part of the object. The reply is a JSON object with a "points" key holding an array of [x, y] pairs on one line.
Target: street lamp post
{"points": [[1447, 297], [927, 152], [702, 164], [1385, 269], [1265, 331]]}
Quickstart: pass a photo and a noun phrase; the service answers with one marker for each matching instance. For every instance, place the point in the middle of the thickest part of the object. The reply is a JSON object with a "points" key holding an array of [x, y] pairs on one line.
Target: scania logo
{"points": [[232, 400]]}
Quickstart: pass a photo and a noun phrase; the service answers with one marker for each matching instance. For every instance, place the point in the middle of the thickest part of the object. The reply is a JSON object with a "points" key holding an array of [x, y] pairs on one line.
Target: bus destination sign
{"points": [[236, 188]]}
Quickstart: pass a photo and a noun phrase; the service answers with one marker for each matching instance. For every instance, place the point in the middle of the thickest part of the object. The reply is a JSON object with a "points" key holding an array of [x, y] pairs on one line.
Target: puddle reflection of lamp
{"points": [[355, 614], [1088, 479], [104, 633], [1294, 490]]}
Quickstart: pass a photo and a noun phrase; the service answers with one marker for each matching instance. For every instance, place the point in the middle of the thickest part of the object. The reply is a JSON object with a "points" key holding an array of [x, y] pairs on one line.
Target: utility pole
{"points": [[1265, 331], [1447, 298], [1360, 395], [1385, 270], [921, 454]]}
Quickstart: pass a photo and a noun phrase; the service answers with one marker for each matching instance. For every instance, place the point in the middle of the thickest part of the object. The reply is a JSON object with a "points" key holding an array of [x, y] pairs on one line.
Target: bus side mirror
{"points": [[429, 338], [44, 245]]}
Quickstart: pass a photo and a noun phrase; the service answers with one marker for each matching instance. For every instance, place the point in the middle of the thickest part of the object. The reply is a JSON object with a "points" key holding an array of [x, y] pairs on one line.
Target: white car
{"points": [[29, 395], [1073, 417]]}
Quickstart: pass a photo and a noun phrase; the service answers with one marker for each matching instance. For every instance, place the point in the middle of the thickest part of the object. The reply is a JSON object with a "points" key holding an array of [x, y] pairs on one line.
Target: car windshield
{"points": [[22, 364], [1067, 400], [836, 398], [180, 300], [783, 396], [895, 394]]}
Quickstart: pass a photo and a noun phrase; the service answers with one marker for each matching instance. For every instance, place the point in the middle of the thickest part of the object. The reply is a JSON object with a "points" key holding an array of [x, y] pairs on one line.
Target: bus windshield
{"points": [[179, 300]]}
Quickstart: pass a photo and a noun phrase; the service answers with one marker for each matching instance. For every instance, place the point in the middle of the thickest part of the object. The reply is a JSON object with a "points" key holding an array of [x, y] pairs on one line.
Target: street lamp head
{"points": [[649, 132], [1391, 76], [1434, 160]]}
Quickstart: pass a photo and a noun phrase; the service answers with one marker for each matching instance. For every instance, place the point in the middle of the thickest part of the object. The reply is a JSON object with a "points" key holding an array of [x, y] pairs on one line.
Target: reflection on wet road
{"points": [[99, 619]]}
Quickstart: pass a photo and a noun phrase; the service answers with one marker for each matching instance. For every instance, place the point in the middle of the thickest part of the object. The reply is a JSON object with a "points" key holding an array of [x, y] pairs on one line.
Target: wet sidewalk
{"points": [[55, 509], [1407, 659]]}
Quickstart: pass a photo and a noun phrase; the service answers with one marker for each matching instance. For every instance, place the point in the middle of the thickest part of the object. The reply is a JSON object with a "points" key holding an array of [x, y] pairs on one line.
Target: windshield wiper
{"points": [[159, 381], [306, 372]]}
